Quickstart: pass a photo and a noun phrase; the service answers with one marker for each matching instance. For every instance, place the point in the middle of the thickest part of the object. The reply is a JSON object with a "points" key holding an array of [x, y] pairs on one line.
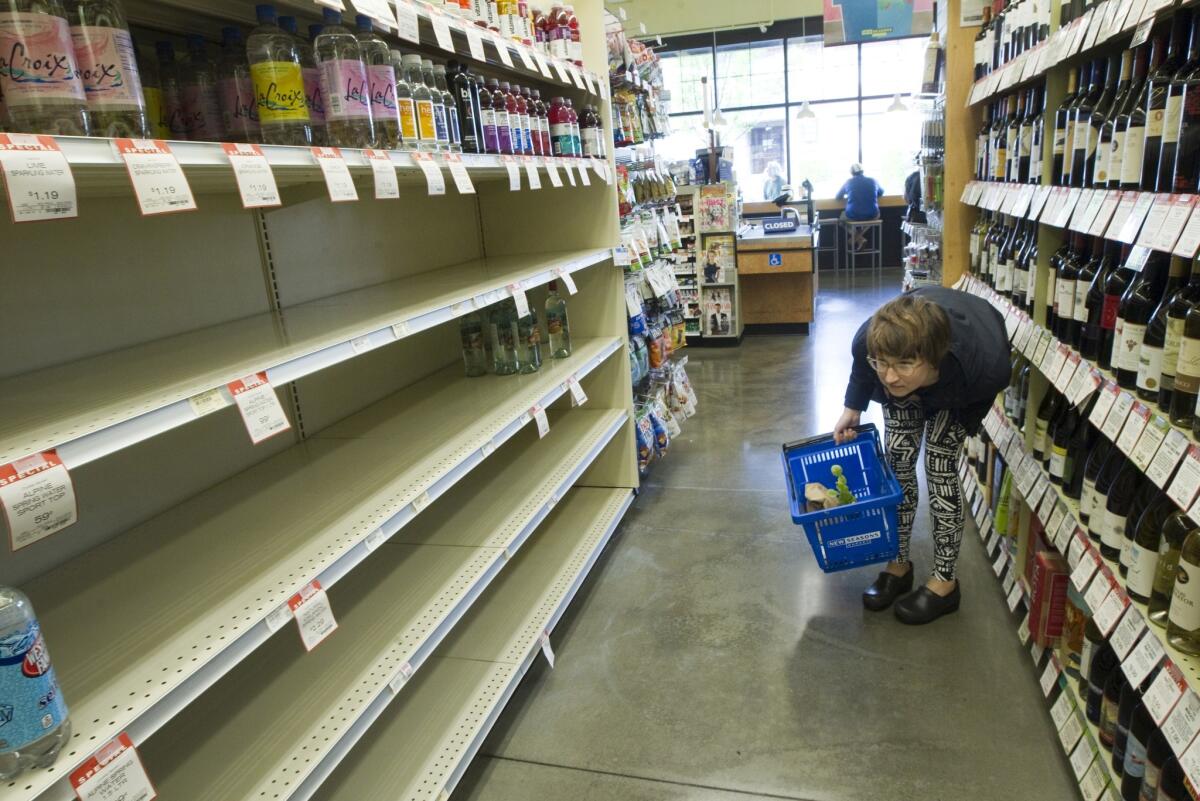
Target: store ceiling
{"points": [[693, 16]]}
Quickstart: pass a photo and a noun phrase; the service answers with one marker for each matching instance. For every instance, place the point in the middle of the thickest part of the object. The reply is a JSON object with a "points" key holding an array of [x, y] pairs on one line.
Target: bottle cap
{"points": [[265, 12], [426, 62], [363, 22], [332, 16], [411, 59], [288, 24]]}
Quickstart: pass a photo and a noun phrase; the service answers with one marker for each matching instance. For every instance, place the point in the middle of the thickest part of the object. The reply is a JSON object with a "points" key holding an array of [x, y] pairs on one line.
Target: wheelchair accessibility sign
{"points": [[774, 259]]}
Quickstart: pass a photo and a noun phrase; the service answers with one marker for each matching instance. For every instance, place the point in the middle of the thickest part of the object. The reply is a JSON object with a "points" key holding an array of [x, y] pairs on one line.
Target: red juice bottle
{"points": [[573, 119], [500, 106], [543, 123], [574, 45], [541, 30], [559, 31], [515, 132], [487, 119], [526, 122], [560, 127]]}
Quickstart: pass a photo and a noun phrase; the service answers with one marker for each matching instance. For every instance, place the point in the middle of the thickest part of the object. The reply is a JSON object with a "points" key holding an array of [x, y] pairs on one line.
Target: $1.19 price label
{"points": [[158, 180], [38, 179]]}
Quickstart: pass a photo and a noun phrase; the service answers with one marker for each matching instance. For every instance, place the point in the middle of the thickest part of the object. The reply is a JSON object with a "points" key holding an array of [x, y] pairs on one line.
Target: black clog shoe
{"points": [[925, 606], [886, 589]]}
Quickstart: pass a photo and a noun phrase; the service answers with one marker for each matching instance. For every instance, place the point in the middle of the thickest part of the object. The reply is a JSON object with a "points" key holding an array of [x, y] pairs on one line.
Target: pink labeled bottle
{"points": [[574, 44], [500, 106], [543, 123], [314, 101], [108, 65], [198, 93], [382, 76], [345, 85], [590, 133], [487, 120], [42, 90], [235, 90]]}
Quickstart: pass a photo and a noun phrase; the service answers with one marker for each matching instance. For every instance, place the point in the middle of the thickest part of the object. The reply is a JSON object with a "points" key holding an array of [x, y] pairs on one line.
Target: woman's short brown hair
{"points": [[909, 327]]}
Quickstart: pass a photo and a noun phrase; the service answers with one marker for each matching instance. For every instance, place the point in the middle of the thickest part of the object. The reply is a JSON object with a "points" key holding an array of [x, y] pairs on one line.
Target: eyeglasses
{"points": [[903, 368]]}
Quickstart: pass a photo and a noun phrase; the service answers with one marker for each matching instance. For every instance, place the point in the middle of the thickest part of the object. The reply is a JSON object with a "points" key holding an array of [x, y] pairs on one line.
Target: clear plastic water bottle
{"points": [[474, 351], [502, 331], [172, 95], [439, 77], [529, 343], [556, 323], [37, 725], [406, 107], [152, 92], [423, 100], [345, 84], [275, 70], [382, 76], [198, 93], [312, 77], [108, 66], [42, 90], [235, 89], [441, 124]]}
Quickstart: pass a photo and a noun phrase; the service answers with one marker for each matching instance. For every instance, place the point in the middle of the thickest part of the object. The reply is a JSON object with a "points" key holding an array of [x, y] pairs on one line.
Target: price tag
{"points": [[421, 502], [1117, 417], [1075, 223], [1187, 479], [518, 296], [992, 541], [1058, 516], [458, 171], [1179, 211], [337, 174], [531, 172], [38, 498], [1050, 677], [441, 28], [1049, 501], [208, 402], [1135, 424], [1104, 213], [475, 42], [541, 63], [114, 773], [601, 169], [1166, 689], [386, 185], [1111, 609], [1099, 589], [552, 171], [1183, 722], [1071, 729], [1085, 216], [1133, 223], [1190, 762], [514, 173], [566, 165], [525, 54], [591, 85], [1010, 581], [1023, 635], [1058, 360], [1142, 660], [1068, 206], [1039, 201], [1092, 785], [1127, 632], [314, 616], [256, 182], [1189, 239], [986, 529], [400, 329], [1043, 344], [547, 651], [259, 407], [1081, 758], [568, 280], [583, 174], [1151, 438], [375, 539], [543, 423], [435, 182], [1137, 259], [1014, 597], [999, 564], [409, 27], [38, 178], [1037, 651], [158, 180], [576, 77], [1142, 33], [277, 619], [401, 678], [1075, 555], [1124, 208], [561, 70], [1167, 456], [578, 396]]}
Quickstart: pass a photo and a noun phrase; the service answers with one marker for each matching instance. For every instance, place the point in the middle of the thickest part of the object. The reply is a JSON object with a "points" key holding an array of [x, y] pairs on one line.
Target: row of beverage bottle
{"points": [[345, 89], [501, 341], [555, 33], [1130, 121]]}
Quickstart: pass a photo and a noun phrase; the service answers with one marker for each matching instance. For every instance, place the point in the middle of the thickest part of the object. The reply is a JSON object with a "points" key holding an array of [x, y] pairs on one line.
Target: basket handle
{"points": [[865, 428]]}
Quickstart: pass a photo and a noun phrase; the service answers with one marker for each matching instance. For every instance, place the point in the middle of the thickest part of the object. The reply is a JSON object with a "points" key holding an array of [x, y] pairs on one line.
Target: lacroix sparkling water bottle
{"points": [[39, 77]]}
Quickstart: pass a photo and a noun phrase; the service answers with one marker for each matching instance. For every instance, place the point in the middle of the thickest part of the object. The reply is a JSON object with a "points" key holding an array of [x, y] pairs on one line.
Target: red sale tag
{"points": [[259, 406], [38, 178], [38, 498], [337, 174], [314, 616], [256, 182], [158, 180], [113, 773]]}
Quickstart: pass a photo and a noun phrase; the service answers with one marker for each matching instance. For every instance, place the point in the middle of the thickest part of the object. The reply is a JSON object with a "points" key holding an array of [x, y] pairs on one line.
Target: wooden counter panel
{"points": [[786, 298], [756, 263]]}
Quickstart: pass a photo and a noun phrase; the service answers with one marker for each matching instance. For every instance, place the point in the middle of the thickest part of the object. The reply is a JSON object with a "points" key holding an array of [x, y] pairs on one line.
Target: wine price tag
{"points": [[1137, 259], [1014, 597], [1068, 205], [458, 171], [1092, 785], [1177, 216], [576, 77], [561, 69], [1057, 357], [435, 182], [1050, 677], [1194, 513], [542, 64], [1147, 445], [1117, 416], [531, 172], [1142, 660], [1000, 563], [1173, 446], [38, 178], [1062, 537], [1039, 201], [518, 295], [1081, 209], [1010, 581], [1071, 729], [1085, 216], [409, 27], [1187, 479], [1133, 223], [314, 616], [114, 773], [514, 173], [986, 529], [1189, 239], [1166, 689], [1067, 374], [1124, 208], [524, 52], [1104, 214], [1042, 346], [386, 184], [992, 541], [475, 42], [1081, 758], [1061, 533], [1075, 556], [1110, 611], [1183, 722], [552, 171], [1135, 424], [158, 180], [1023, 633], [337, 174], [1079, 377], [1049, 501], [1190, 762], [1142, 33], [1127, 632], [205, 403], [543, 423], [255, 181], [1037, 651], [38, 498], [1098, 590], [441, 28], [259, 407], [1155, 217]]}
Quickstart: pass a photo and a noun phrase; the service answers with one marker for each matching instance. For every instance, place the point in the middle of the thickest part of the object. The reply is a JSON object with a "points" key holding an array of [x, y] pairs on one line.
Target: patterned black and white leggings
{"points": [[904, 421]]}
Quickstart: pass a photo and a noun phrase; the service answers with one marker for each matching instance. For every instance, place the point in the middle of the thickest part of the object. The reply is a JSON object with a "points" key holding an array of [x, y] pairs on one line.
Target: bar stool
{"points": [[828, 240], [868, 233]]}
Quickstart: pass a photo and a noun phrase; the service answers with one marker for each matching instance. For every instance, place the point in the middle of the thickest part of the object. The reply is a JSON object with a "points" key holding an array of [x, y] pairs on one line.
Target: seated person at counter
{"points": [[862, 200]]}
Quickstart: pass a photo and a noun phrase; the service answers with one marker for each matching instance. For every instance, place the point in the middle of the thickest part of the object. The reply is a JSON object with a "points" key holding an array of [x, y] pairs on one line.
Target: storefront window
{"points": [[759, 140], [824, 148], [816, 72], [751, 74], [682, 71]]}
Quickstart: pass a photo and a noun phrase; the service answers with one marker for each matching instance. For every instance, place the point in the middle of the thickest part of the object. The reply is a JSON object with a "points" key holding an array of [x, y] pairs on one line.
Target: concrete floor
{"points": [[710, 659]]}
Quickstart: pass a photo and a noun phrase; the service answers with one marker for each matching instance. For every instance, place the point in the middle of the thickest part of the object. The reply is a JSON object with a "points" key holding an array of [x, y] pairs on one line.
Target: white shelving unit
{"points": [[412, 493]]}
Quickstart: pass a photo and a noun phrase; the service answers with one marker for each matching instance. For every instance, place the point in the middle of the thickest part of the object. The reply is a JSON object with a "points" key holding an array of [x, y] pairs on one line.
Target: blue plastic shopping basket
{"points": [[857, 534]]}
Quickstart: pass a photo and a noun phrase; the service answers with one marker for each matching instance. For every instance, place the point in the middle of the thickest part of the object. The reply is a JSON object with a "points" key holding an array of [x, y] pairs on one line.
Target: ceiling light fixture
{"points": [[897, 104]]}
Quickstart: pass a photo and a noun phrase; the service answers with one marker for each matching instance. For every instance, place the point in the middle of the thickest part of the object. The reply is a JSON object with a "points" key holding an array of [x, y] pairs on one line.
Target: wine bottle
{"points": [[1134, 158], [1184, 103], [983, 53], [1060, 415], [1171, 786], [1187, 372], [1060, 445], [1144, 499], [1143, 552], [1110, 321], [1078, 449], [1093, 642], [1183, 617], [1096, 461], [1175, 530], [1014, 383], [1035, 122], [1087, 142], [1066, 323], [1156, 111], [1000, 141], [1125, 115], [1137, 739], [1046, 410], [1026, 235], [1110, 708], [1158, 751], [1023, 397], [1083, 284], [1118, 500], [1129, 699], [1104, 663], [1150, 357], [1082, 143], [1180, 304], [1063, 130], [1099, 518], [1016, 112], [1168, 158], [1108, 142], [1137, 307], [983, 145]]}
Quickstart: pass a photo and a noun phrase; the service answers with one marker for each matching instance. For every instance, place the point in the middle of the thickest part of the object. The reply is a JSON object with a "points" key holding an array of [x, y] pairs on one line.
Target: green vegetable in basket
{"points": [[844, 495]]}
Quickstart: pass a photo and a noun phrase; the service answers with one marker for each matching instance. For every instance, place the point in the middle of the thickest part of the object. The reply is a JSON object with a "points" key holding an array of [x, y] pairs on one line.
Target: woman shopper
{"points": [[935, 358]]}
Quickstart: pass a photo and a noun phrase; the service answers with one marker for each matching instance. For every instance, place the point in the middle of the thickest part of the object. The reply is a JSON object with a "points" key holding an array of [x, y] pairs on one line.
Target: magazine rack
{"points": [[716, 222]]}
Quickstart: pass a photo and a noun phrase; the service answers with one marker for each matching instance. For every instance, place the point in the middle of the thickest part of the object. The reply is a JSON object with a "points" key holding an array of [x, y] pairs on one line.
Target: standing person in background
{"points": [[862, 199], [775, 184], [935, 358]]}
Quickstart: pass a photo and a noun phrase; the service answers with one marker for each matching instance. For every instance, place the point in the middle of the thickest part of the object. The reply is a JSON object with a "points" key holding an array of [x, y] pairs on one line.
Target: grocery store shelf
{"points": [[187, 595], [93, 407], [454, 701], [391, 616]]}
